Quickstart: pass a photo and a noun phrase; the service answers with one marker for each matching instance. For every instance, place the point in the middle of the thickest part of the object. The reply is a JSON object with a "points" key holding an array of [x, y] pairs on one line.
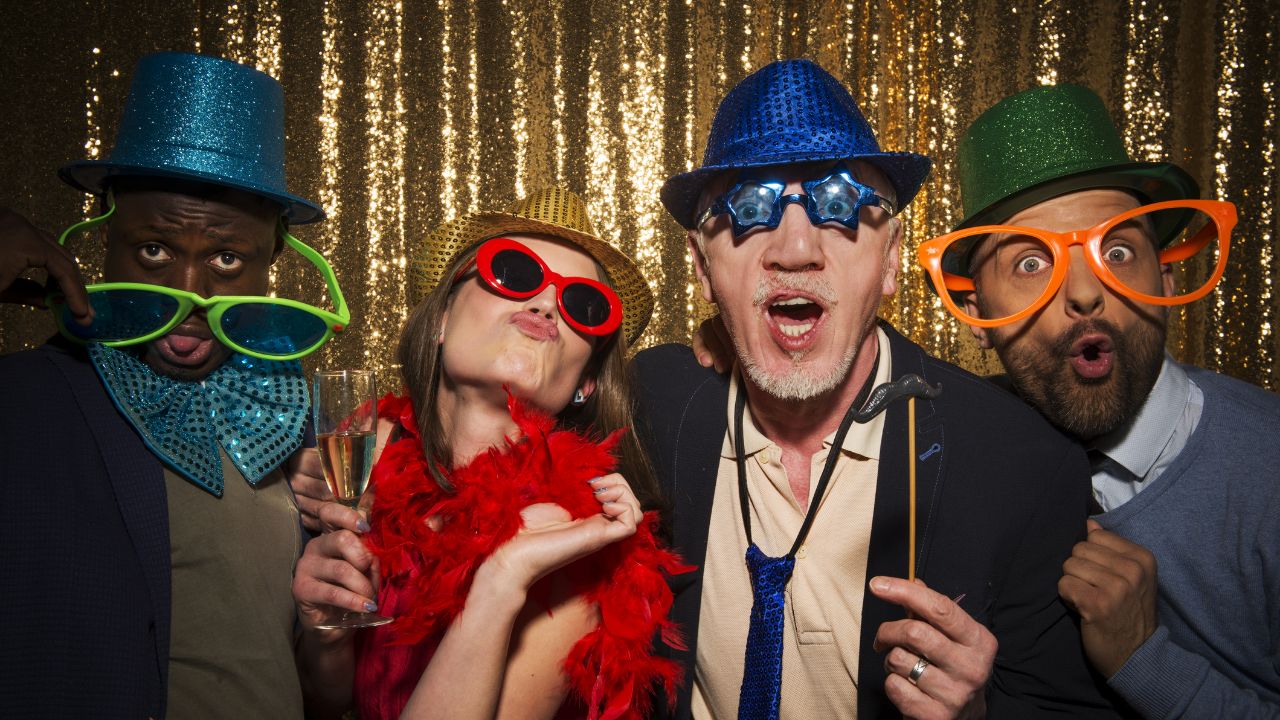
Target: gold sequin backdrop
{"points": [[404, 114]]}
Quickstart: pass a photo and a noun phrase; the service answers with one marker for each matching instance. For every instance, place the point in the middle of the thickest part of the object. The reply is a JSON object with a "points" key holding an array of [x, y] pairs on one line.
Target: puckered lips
{"points": [[534, 325], [794, 318], [1091, 356], [188, 345]]}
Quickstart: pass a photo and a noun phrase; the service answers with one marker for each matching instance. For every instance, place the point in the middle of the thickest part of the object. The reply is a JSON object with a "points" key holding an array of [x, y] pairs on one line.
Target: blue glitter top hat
{"points": [[201, 118], [790, 111]]}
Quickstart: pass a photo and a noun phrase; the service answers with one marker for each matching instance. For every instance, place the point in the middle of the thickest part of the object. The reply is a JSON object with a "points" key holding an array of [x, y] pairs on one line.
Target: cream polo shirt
{"points": [[824, 597]]}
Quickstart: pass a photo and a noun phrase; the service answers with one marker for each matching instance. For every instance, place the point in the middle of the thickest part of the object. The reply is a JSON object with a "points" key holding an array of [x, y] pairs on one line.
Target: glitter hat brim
{"points": [[905, 171], [93, 177], [536, 215]]}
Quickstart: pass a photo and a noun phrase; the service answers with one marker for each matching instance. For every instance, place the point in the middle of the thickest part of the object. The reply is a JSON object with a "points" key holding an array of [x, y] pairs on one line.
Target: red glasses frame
{"points": [[930, 254], [484, 264]]}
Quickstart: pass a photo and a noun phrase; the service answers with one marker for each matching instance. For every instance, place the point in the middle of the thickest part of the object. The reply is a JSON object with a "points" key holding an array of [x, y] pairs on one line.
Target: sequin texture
{"points": [[253, 409]]}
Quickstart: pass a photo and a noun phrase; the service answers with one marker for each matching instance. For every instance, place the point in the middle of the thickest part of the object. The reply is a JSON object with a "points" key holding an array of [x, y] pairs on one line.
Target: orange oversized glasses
{"points": [[1029, 265]]}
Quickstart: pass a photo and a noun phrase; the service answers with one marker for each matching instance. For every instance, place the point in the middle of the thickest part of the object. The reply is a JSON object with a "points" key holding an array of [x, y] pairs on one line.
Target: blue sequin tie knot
{"points": [[253, 409], [762, 669]]}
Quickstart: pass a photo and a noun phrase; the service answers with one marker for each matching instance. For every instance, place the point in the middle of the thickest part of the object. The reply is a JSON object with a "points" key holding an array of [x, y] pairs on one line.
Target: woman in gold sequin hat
{"points": [[512, 466]]}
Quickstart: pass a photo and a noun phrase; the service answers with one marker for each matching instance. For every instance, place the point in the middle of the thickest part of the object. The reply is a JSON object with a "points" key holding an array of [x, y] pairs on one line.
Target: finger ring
{"points": [[920, 666]]}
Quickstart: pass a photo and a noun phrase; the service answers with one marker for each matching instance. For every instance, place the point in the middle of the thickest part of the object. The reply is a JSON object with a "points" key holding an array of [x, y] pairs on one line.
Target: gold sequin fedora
{"points": [[556, 212]]}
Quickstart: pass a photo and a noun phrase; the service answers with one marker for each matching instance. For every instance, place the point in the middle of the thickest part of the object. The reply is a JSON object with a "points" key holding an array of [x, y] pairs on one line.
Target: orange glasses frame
{"points": [[929, 256]]}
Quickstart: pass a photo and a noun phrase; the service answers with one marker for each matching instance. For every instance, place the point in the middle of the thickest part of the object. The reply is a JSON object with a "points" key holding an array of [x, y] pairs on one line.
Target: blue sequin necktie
{"points": [[253, 409], [761, 692]]}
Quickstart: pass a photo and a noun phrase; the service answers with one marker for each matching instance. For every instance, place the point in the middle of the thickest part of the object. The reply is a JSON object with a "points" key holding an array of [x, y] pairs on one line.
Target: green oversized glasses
{"points": [[126, 313]]}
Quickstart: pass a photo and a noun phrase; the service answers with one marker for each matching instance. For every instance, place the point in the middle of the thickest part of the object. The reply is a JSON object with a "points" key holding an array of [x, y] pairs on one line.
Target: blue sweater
{"points": [[1212, 519]]}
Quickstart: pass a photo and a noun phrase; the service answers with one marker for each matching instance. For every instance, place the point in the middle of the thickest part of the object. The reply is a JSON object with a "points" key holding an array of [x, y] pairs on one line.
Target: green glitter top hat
{"points": [[1050, 141]]}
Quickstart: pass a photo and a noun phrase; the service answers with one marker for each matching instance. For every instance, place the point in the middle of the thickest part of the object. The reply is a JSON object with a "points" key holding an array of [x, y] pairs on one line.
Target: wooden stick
{"points": [[911, 483]]}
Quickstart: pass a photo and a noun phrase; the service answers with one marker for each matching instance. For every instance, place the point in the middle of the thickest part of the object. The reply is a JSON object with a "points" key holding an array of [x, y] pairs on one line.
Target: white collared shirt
{"points": [[1137, 452]]}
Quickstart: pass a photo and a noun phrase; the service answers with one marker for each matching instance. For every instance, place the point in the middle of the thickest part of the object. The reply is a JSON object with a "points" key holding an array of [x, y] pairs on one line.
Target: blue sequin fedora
{"points": [[195, 117], [789, 111]]}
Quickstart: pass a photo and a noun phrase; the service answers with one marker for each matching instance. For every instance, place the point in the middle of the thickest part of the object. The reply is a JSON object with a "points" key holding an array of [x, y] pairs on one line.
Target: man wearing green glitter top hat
{"points": [[149, 531], [1066, 263]]}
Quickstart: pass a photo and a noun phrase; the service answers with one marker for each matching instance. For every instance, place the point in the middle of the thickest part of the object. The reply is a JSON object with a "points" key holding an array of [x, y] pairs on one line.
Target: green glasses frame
{"points": [[335, 322]]}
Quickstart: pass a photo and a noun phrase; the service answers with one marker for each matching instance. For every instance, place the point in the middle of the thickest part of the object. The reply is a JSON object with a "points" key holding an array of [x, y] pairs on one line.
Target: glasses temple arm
{"points": [[330, 279], [89, 224], [1189, 247]]}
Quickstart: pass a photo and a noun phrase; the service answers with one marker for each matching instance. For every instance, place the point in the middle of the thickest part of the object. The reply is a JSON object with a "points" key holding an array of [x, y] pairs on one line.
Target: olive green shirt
{"points": [[231, 647]]}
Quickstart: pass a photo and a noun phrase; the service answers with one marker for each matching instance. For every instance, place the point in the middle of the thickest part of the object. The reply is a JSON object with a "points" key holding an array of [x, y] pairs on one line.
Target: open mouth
{"points": [[1091, 356], [793, 319]]}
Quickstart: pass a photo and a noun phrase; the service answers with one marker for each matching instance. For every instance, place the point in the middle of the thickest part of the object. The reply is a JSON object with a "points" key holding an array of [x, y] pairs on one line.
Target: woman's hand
{"points": [[551, 539], [336, 572]]}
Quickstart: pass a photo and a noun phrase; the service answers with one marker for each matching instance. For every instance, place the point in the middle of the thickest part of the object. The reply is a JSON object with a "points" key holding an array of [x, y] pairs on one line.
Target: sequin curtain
{"points": [[405, 114]]}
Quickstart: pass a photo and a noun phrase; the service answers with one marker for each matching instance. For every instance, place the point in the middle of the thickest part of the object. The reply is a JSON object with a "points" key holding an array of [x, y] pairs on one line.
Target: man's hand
{"points": [[712, 346], [1111, 582], [306, 477], [958, 651], [23, 247]]}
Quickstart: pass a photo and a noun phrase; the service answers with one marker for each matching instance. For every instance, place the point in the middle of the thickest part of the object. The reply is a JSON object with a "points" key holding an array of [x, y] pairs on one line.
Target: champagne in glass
{"points": [[347, 458], [346, 416]]}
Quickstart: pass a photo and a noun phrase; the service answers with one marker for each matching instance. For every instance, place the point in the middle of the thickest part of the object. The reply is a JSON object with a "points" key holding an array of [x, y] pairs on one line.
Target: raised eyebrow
{"points": [[997, 240], [1141, 223]]}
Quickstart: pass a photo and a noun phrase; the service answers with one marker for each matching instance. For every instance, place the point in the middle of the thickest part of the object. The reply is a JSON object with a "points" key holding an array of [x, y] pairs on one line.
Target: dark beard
{"points": [[1082, 407]]}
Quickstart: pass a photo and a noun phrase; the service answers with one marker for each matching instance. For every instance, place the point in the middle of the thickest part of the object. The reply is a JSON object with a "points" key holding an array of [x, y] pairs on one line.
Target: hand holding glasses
{"points": [[346, 416], [1029, 265]]}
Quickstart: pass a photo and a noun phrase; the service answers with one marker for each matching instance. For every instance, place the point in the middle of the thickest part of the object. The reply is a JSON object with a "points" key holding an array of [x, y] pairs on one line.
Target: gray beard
{"points": [[798, 382]]}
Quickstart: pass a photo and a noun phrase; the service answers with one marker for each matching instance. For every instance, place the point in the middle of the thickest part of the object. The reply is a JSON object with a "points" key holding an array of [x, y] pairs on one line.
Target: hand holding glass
{"points": [[346, 415]]}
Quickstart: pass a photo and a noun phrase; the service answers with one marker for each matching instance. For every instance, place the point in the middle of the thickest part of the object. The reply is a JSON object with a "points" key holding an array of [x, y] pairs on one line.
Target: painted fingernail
{"points": [[363, 525], [597, 491], [370, 606], [594, 480]]}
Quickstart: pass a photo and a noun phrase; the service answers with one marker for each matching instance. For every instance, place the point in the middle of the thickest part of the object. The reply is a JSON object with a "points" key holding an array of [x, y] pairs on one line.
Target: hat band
{"points": [[229, 168]]}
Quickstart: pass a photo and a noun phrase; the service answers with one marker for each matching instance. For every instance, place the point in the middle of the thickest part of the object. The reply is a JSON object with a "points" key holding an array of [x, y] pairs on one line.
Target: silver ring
{"points": [[920, 666]]}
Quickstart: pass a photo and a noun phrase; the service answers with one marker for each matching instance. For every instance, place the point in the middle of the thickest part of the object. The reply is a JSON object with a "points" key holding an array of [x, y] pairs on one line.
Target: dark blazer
{"points": [[1000, 503], [84, 548]]}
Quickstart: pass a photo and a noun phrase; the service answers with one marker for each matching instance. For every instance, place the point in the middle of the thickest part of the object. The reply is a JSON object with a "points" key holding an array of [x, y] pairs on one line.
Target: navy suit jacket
{"points": [[84, 548], [1000, 503]]}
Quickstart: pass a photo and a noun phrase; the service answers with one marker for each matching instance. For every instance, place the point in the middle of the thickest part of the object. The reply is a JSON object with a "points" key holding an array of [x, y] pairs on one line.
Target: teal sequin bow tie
{"points": [[253, 409]]}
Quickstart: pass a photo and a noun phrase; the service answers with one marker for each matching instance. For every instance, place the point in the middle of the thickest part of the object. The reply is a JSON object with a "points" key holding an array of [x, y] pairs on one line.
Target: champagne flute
{"points": [[346, 415]]}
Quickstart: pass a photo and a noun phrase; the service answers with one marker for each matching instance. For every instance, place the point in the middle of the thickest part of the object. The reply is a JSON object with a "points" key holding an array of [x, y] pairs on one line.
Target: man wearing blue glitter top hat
{"points": [[799, 608], [149, 532]]}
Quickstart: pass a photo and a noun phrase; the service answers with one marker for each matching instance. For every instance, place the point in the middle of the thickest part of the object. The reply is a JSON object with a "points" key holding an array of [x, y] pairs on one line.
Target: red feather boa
{"points": [[426, 573]]}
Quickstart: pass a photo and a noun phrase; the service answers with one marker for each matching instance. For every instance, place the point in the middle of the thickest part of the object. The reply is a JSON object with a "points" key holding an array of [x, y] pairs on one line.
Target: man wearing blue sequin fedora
{"points": [[800, 608], [150, 533]]}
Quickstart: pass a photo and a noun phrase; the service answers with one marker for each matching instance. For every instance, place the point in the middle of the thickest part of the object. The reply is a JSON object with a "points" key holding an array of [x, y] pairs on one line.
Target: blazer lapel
{"points": [[138, 482], [696, 458], [888, 551]]}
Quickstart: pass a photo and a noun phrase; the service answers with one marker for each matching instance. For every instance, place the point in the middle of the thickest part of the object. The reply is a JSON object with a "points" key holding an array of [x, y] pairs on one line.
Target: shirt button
{"points": [[802, 552]]}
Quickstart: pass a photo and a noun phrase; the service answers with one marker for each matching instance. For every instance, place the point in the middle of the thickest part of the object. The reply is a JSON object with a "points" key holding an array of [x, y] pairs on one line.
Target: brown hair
{"points": [[609, 408]]}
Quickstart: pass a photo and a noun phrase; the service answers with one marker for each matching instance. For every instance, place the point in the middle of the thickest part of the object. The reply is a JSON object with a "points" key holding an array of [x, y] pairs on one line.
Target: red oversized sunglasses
{"points": [[515, 271]]}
